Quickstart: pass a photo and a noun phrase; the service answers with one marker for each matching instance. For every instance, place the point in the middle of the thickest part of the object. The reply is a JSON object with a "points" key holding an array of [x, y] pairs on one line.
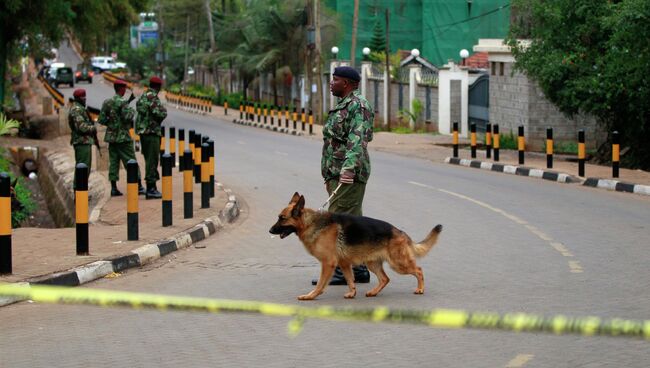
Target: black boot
{"points": [[361, 276], [114, 191], [152, 192], [141, 190]]}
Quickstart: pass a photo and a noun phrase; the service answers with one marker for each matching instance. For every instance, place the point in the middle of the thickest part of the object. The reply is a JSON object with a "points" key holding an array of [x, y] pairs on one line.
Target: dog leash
{"points": [[322, 208]]}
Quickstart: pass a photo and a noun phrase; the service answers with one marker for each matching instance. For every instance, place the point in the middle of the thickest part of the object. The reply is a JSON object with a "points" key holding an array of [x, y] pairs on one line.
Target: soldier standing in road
{"points": [[83, 131], [117, 116], [151, 113], [345, 163]]}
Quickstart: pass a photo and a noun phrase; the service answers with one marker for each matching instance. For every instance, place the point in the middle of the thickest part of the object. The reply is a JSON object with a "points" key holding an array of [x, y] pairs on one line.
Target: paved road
{"points": [[509, 244]]}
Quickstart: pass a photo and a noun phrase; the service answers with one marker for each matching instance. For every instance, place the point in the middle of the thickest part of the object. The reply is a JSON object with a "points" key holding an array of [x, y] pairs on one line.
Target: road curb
{"points": [[618, 186], [141, 256], [515, 170], [269, 127]]}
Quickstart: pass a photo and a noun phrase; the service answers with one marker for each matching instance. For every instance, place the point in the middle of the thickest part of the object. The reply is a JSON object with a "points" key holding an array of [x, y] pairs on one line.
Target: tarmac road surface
{"points": [[509, 244]]}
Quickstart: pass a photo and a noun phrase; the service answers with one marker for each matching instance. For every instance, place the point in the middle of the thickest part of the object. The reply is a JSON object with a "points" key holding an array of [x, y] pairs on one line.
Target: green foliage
{"points": [[591, 57], [23, 194], [508, 141], [378, 40], [8, 126], [379, 58]]}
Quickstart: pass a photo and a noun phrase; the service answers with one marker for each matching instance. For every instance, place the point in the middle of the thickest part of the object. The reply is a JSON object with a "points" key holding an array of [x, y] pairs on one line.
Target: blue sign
{"points": [[148, 37]]}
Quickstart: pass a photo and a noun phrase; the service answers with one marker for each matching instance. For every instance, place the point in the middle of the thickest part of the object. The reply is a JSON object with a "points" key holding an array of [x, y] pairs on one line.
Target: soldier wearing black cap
{"points": [[345, 163]]}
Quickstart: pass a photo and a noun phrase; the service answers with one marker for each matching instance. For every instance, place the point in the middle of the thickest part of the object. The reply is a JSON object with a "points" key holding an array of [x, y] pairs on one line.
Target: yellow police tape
{"points": [[441, 318]]}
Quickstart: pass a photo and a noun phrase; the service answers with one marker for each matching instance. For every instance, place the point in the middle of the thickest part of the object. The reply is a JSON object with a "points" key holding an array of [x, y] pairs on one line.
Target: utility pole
{"points": [[387, 79], [187, 47], [214, 68], [318, 113], [309, 59], [161, 46], [355, 23]]}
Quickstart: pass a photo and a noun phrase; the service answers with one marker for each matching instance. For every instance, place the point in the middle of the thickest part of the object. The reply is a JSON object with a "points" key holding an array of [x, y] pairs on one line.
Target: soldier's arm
{"points": [[355, 140], [158, 110], [83, 125], [103, 118]]}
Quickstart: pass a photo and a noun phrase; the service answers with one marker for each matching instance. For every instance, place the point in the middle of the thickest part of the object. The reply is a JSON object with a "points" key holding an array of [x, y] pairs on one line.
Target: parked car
{"points": [[62, 76], [101, 63], [84, 73]]}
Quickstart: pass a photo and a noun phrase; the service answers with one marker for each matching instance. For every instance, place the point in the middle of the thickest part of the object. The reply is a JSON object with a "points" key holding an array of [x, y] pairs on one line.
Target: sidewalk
{"points": [[438, 148], [49, 255]]}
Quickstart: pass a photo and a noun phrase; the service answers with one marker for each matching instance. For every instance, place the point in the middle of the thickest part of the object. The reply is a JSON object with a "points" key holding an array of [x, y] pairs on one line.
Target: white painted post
{"points": [[386, 102], [365, 72], [415, 74]]}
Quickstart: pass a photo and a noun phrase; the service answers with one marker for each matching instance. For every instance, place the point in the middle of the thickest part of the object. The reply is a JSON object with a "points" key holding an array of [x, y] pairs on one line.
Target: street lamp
{"points": [[463, 55], [365, 51], [335, 51], [415, 52]]}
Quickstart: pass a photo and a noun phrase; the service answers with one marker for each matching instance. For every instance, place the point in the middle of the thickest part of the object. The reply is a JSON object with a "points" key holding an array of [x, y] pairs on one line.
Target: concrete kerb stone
{"points": [[618, 186], [142, 255], [269, 127]]}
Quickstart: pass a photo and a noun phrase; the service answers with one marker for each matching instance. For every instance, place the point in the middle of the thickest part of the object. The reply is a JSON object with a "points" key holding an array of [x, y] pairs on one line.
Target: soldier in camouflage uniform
{"points": [[117, 115], [151, 113], [345, 163], [82, 133]]}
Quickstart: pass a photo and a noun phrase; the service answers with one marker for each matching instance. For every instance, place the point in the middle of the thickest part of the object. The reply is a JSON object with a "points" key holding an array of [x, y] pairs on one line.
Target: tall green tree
{"points": [[591, 57], [378, 40]]}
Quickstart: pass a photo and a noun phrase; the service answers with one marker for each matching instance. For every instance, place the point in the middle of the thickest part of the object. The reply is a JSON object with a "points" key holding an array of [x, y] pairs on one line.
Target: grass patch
{"points": [[23, 194]]}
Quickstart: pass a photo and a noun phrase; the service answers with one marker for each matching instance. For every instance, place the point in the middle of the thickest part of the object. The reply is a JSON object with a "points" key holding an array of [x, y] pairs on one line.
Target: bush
{"points": [[23, 194]]}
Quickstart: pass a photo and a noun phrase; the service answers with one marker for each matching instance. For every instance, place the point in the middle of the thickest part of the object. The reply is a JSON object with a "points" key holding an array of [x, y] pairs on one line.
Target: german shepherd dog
{"points": [[347, 240]]}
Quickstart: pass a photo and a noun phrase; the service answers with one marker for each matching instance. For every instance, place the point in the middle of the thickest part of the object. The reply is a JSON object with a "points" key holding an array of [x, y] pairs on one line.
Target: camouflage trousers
{"points": [[151, 153], [82, 155], [348, 199], [119, 152]]}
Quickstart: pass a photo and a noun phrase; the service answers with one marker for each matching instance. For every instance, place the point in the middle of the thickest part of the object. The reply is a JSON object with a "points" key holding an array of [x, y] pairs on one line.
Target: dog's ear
{"points": [[295, 198], [295, 212]]}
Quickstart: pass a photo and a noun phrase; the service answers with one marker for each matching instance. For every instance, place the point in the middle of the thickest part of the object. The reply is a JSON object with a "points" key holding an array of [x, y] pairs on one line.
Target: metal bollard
{"points": [[188, 193], [172, 145], [488, 140], [81, 208], [190, 142], [197, 158], [225, 108], [455, 139], [549, 148], [211, 152], [581, 152], [241, 111], [181, 148], [521, 144], [132, 199], [495, 137], [295, 118], [272, 115], [205, 176], [5, 224], [615, 154], [472, 129], [259, 112], [265, 113], [303, 118], [286, 116], [311, 122], [162, 140], [167, 190]]}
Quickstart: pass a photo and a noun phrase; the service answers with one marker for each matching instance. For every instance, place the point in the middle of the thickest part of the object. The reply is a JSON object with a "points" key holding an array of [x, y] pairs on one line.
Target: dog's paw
{"points": [[371, 294], [418, 291], [306, 297], [350, 295]]}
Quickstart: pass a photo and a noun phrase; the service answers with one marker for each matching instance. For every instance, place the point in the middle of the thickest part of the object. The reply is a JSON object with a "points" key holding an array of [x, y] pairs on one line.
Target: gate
{"points": [[479, 102]]}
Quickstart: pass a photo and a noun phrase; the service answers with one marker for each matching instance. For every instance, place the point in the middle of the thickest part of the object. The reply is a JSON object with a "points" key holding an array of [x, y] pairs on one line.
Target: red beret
{"points": [[79, 92], [155, 80], [119, 82]]}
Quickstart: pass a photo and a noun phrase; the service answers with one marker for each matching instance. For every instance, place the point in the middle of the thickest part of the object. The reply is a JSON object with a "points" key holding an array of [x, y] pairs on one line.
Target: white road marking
{"points": [[574, 266], [281, 153], [520, 360]]}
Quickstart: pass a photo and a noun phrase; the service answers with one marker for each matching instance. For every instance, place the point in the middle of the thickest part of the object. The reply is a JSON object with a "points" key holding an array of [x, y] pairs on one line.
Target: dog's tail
{"points": [[422, 248]]}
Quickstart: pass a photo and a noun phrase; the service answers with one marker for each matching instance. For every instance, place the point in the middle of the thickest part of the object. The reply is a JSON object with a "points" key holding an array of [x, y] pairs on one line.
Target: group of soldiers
{"points": [[119, 118]]}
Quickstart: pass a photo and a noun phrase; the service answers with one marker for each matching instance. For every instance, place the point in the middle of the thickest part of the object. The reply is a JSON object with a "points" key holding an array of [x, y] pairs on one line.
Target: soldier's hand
{"points": [[347, 177]]}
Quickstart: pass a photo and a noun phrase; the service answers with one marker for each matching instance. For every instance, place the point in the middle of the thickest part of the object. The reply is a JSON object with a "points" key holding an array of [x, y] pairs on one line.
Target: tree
{"points": [[378, 40], [591, 57]]}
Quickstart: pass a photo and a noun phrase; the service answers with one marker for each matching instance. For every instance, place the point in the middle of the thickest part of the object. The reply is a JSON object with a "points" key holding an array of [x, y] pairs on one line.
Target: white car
{"points": [[101, 63]]}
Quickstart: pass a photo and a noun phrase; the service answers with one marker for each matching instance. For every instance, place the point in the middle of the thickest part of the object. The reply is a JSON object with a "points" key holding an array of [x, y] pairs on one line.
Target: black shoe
{"points": [[141, 190], [152, 193], [115, 192]]}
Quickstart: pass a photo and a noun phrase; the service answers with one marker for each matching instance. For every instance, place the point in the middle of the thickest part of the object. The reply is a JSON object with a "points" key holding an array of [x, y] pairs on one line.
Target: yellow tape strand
{"points": [[438, 318]]}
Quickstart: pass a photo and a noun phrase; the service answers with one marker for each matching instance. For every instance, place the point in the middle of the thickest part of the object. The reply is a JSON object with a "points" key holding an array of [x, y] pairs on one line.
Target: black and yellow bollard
{"points": [[311, 122], [455, 139], [488, 140], [172, 145], [211, 164], [265, 113], [549, 148], [495, 138], [190, 142], [197, 158], [225, 108], [581, 152], [286, 116], [132, 200], [272, 115], [81, 208], [181, 148], [167, 189], [303, 118], [521, 144], [5, 224], [205, 176], [241, 111], [162, 141], [259, 112], [295, 118], [472, 129], [188, 191], [615, 154]]}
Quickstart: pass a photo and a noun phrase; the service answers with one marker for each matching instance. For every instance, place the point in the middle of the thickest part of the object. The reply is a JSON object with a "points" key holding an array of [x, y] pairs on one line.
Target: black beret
{"points": [[347, 72]]}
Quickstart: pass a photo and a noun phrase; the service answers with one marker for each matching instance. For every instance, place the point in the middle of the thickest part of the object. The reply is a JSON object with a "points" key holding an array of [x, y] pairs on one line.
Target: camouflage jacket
{"points": [[346, 134], [151, 113], [82, 128], [117, 115]]}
